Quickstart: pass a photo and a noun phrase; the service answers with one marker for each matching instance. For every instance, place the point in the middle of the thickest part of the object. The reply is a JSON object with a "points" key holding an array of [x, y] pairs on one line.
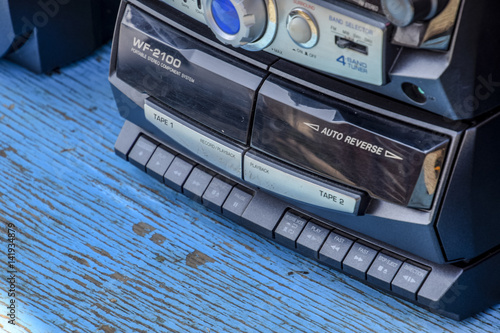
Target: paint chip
{"points": [[142, 229], [197, 258]]}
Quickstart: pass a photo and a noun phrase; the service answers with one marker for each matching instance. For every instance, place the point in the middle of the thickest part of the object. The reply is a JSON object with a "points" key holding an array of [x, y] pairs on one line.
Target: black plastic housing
{"points": [[455, 236], [44, 35]]}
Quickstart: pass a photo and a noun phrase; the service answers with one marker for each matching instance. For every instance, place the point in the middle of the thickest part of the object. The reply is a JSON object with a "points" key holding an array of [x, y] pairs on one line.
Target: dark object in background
{"points": [[42, 35]]}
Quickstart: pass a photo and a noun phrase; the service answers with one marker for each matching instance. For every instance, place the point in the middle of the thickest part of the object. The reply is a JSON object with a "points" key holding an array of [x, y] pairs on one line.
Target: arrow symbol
{"points": [[388, 154], [335, 248], [409, 279], [313, 126]]}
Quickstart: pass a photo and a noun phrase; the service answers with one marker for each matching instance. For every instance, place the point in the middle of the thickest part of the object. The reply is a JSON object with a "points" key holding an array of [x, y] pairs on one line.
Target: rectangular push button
{"points": [[177, 173], [383, 270], [334, 250], [289, 229], [141, 152], [358, 260], [288, 182], [196, 184], [216, 193], [236, 203], [311, 239], [408, 280], [159, 163]]}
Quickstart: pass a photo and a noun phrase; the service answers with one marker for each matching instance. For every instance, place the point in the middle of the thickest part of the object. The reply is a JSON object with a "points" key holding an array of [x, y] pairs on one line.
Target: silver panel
{"points": [[367, 31], [307, 191], [221, 155]]}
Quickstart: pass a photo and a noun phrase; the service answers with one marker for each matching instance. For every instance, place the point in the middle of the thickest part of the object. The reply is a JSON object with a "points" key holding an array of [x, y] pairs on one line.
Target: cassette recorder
{"points": [[340, 129]]}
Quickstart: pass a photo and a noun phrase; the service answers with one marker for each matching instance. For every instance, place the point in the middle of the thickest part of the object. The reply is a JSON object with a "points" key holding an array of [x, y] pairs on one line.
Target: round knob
{"points": [[405, 12], [237, 22], [302, 28]]}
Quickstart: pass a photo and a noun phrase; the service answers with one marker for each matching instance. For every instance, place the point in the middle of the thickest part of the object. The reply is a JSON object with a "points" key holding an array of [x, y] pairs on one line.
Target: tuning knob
{"points": [[237, 22], [405, 12]]}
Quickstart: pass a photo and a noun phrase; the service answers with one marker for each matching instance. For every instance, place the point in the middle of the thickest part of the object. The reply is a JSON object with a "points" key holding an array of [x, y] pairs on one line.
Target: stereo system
{"points": [[363, 134]]}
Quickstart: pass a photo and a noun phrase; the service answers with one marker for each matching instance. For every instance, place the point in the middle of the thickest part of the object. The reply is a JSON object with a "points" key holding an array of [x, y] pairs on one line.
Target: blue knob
{"points": [[226, 16]]}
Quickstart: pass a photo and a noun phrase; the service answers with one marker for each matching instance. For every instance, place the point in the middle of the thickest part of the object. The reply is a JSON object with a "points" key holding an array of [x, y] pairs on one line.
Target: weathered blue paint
{"points": [[104, 248]]}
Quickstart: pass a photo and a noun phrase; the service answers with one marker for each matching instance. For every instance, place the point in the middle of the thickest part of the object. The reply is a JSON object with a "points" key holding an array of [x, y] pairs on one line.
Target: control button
{"points": [[177, 173], [358, 260], [216, 194], [408, 280], [289, 229], [159, 163], [311, 239], [236, 203], [334, 250], [239, 22], [302, 28], [196, 184], [126, 139], [284, 181], [405, 12], [383, 270], [141, 152], [263, 214]]}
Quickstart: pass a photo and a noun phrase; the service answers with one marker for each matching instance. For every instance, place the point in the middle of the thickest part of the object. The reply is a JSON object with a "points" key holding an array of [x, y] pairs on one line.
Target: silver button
{"points": [[302, 28]]}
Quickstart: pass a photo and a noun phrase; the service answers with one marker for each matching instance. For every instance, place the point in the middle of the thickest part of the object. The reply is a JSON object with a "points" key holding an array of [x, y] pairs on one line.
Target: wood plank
{"points": [[102, 247]]}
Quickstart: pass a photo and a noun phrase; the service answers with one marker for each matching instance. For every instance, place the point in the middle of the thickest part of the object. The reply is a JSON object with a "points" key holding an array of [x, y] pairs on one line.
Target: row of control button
{"points": [[307, 236], [183, 175], [355, 257]]}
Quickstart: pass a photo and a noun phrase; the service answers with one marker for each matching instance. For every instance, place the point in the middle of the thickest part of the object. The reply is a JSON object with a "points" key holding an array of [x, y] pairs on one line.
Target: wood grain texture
{"points": [[102, 247]]}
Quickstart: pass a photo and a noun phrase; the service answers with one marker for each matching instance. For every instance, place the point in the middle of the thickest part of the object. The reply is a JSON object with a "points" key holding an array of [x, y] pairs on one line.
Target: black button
{"points": [[236, 202], [177, 173], [196, 184], [159, 163], [334, 250], [216, 194], [408, 280], [141, 152], [383, 270], [311, 239], [289, 229], [358, 260], [262, 214]]}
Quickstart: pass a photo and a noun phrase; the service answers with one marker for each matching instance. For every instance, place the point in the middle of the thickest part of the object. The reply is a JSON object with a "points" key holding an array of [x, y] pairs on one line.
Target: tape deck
{"points": [[362, 134]]}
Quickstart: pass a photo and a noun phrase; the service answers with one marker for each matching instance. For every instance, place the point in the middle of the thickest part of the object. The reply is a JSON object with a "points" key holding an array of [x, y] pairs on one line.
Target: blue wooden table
{"points": [[102, 247]]}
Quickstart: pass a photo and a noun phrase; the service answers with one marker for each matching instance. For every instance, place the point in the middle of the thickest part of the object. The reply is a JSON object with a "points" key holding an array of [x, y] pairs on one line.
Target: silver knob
{"points": [[238, 22], [405, 12], [302, 28]]}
